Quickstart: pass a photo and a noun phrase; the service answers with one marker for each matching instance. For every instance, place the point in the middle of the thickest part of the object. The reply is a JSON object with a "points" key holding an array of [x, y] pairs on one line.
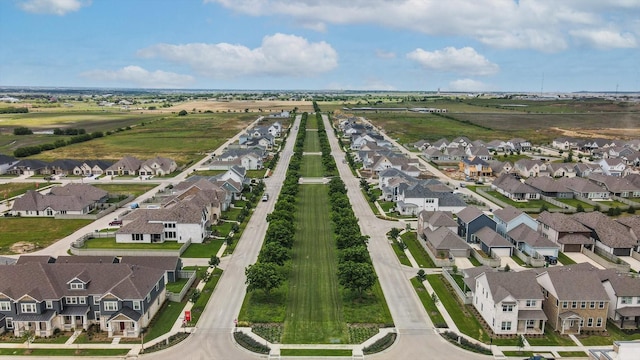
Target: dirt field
{"points": [[607, 133], [240, 106]]}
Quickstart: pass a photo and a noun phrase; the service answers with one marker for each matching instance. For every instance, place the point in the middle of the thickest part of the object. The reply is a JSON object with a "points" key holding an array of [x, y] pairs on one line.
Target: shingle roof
{"points": [[522, 285], [443, 239], [561, 222], [608, 231], [511, 185], [489, 237], [469, 214], [438, 218], [34, 201], [523, 233], [85, 191], [625, 285], [508, 213], [577, 283]]}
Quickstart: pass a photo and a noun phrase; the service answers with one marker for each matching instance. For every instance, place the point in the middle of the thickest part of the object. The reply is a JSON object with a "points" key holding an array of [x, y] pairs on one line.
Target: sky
{"points": [[403, 45]]}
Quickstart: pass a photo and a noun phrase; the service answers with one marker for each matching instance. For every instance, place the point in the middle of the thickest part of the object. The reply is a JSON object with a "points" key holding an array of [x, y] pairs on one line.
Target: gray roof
{"points": [[523, 233], [49, 281], [511, 185], [614, 184], [128, 163], [85, 191], [423, 192], [444, 239], [547, 184], [561, 222], [607, 230], [489, 237], [521, 285], [581, 185], [624, 285], [578, 283], [508, 213], [438, 218], [469, 214], [34, 201]]}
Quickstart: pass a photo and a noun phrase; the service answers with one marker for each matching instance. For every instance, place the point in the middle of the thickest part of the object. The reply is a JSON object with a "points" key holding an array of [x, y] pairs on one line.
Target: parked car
{"points": [[265, 197], [116, 223], [551, 260]]}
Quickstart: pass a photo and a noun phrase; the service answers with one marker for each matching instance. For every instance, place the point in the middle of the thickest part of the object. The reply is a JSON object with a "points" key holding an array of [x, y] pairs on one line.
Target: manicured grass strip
{"points": [[530, 204], [404, 260], [564, 259], [206, 250], [110, 243], [126, 189], [551, 338], [429, 305], [65, 352], [312, 166], [315, 352], [371, 308], [518, 260], [176, 287], [40, 231], [573, 354], [311, 141], [615, 334], [164, 320], [314, 306], [464, 319], [418, 252], [205, 295], [518, 353], [52, 340]]}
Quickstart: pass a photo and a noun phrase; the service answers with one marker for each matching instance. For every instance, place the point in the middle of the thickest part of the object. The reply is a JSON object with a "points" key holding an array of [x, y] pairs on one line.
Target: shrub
{"points": [[381, 344], [249, 343], [464, 343]]}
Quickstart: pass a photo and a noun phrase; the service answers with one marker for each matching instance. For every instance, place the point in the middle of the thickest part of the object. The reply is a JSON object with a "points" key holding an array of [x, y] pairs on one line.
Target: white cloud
{"points": [[605, 39], [467, 85], [55, 7], [381, 54], [140, 77], [464, 61], [527, 24], [278, 55]]}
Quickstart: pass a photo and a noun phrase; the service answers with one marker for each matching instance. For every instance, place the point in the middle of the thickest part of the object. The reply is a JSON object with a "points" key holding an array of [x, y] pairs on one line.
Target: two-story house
{"points": [[470, 220], [508, 218], [565, 231], [624, 299]]}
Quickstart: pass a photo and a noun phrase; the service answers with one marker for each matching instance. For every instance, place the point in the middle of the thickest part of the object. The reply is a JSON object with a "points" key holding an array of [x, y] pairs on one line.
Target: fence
{"points": [[607, 260], [182, 274], [77, 248], [465, 297], [530, 260], [488, 261], [439, 262]]}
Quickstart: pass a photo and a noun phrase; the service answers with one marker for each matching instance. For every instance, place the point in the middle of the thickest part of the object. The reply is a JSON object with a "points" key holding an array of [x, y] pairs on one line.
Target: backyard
{"points": [[40, 232]]}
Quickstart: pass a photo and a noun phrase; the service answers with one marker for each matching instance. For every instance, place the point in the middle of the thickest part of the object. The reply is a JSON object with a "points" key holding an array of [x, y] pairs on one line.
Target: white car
{"points": [[265, 197]]}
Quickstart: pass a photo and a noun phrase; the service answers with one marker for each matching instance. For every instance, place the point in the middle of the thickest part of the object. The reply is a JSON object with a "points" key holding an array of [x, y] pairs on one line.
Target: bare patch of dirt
{"points": [[607, 133], [22, 247]]}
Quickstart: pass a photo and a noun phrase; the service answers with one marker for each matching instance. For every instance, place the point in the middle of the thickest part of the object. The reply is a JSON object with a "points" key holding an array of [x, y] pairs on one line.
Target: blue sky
{"points": [[423, 45]]}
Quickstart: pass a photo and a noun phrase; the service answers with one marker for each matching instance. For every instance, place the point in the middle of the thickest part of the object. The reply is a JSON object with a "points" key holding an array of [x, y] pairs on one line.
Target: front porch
{"points": [[570, 323], [124, 323], [75, 318], [628, 317], [40, 325], [531, 322]]}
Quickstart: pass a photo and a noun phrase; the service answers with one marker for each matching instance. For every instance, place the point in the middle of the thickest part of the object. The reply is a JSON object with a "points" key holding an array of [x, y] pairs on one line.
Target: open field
{"points": [[10, 190], [40, 231], [126, 189], [314, 307], [182, 138], [312, 166], [263, 106]]}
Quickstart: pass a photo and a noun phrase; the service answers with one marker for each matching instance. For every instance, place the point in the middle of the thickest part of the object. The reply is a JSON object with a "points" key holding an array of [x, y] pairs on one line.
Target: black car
{"points": [[551, 260]]}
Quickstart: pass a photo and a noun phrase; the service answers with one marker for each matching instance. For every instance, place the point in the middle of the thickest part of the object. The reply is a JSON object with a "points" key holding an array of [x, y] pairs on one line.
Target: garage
{"points": [[572, 248]]}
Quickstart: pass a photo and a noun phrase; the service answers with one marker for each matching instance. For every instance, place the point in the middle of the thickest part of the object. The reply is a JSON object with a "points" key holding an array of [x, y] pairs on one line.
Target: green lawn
{"points": [[10, 190], [314, 306], [575, 203], [461, 315], [126, 189], [564, 259], [551, 338], [573, 354], [64, 352], [40, 231], [418, 252], [312, 166], [205, 250], [404, 260], [387, 205], [315, 352], [614, 334], [311, 141], [534, 204], [427, 302], [207, 291], [110, 243], [165, 318], [176, 286]]}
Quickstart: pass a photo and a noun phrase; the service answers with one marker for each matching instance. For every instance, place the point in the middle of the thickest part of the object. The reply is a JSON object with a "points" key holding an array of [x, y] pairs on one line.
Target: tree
{"points": [[182, 113], [544, 208], [394, 233], [434, 298], [357, 254], [263, 276], [214, 261], [422, 276], [631, 210], [507, 268], [22, 131], [357, 277], [275, 253], [579, 208]]}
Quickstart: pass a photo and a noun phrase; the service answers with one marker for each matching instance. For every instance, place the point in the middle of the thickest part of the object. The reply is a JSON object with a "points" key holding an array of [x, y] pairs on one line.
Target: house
{"points": [[157, 166], [412, 199], [6, 162], [624, 298], [474, 167], [565, 231], [250, 159], [530, 167], [29, 167], [583, 188], [509, 302], [436, 219], [574, 298], [565, 144], [519, 145], [470, 220], [71, 199], [531, 242], [41, 297], [221, 195], [508, 218], [275, 129], [492, 243], [613, 167], [617, 186], [550, 187], [444, 243], [499, 168], [480, 152], [434, 154], [65, 167], [558, 170], [514, 189], [610, 236], [91, 167], [632, 224], [127, 166]]}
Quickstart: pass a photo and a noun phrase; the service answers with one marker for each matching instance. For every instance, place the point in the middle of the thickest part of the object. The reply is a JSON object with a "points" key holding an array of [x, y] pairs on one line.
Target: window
{"points": [[96, 315], [136, 305], [589, 322], [545, 226], [137, 237], [565, 304], [574, 304], [157, 286], [581, 322], [77, 286], [169, 234], [5, 306], [531, 303], [601, 305], [583, 305], [96, 300], [9, 323], [71, 300], [599, 322], [592, 305], [110, 306], [29, 308], [49, 304], [507, 307], [626, 300], [82, 300], [506, 326]]}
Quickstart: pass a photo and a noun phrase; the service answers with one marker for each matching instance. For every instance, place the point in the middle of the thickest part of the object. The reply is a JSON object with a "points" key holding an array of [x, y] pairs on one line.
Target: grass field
{"points": [[182, 138], [418, 252], [110, 243], [312, 166], [205, 250], [315, 352], [126, 189], [40, 231], [164, 320], [427, 302], [10, 190], [314, 307]]}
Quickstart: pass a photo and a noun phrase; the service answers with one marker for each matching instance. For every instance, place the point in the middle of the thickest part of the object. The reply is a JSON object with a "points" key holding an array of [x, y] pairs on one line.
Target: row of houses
{"points": [[261, 136], [121, 295], [187, 213], [129, 165], [570, 299], [249, 158], [446, 147], [599, 147]]}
